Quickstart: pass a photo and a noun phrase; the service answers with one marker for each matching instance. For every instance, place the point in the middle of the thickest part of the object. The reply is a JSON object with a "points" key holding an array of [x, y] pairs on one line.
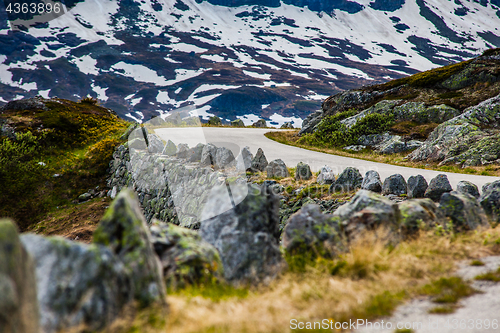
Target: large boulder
{"points": [[79, 286], [244, 161], [303, 171], [18, 294], [372, 182], [395, 184], [124, 230], [185, 257], [325, 176], [182, 150], [194, 154], [155, 144], [437, 187], [224, 158], [237, 123], [309, 230], [246, 235], [465, 186], [287, 125], [418, 214], [208, 154], [260, 123], [490, 201], [367, 211], [349, 180], [259, 162], [464, 211], [170, 149], [310, 122], [277, 169], [417, 185], [398, 145]]}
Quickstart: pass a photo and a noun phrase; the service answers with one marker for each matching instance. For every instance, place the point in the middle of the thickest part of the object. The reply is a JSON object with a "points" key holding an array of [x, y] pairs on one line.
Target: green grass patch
{"points": [[314, 191], [214, 290], [490, 276], [477, 262], [442, 309], [450, 94], [448, 290]]}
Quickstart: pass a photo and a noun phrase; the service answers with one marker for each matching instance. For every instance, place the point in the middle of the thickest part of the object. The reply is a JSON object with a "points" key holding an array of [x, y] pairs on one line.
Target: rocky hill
{"points": [[449, 115], [248, 59]]}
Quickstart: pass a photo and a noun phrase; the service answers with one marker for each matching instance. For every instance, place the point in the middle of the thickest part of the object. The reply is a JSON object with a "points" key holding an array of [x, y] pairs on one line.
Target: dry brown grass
{"points": [[371, 281], [291, 138]]}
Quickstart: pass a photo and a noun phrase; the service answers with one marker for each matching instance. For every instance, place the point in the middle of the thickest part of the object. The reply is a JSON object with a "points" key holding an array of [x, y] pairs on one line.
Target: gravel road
{"points": [[237, 138]]}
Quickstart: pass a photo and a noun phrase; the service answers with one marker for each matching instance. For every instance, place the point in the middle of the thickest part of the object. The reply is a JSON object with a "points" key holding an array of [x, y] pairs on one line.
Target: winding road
{"points": [[237, 138]]}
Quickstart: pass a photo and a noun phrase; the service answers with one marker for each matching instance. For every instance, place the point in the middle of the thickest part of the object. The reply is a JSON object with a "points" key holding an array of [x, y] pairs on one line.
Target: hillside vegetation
{"points": [[51, 151]]}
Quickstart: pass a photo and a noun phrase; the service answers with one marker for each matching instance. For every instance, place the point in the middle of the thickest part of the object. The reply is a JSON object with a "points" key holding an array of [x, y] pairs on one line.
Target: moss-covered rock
{"points": [[124, 230], [349, 180], [185, 257], [464, 211], [418, 214], [18, 296]]}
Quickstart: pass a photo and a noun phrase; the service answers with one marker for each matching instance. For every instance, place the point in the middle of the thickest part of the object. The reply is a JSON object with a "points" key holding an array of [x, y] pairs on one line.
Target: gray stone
{"points": [[208, 155], [349, 180], [325, 176], [170, 149], [417, 185], [368, 210], [174, 118], [237, 123], [490, 186], [260, 123], [397, 145], [185, 257], [373, 140], [246, 235], [372, 181], [287, 125], [194, 154], [259, 161], [79, 286], [244, 160], [464, 211], [354, 147], [395, 184], [215, 121], [182, 150], [418, 214], [137, 143], [465, 186], [310, 122], [303, 171], [224, 158], [437, 187], [157, 121], [18, 295], [490, 201], [124, 230], [309, 230], [277, 169], [84, 197]]}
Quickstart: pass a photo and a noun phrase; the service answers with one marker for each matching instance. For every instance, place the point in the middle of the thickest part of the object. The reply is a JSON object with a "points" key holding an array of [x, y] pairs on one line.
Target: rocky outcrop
{"points": [[18, 293], [372, 181], [83, 287], [246, 235], [303, 171], [208, 155], [260, 123], [277, 169], [437, 187], [349, 180], [237, 123], [310, 122], [185, 257], [395, 184], [259, 162], [368, 211], [464, 211], [311, 231], [123, 229], [417, 185], [287, 125], [418, 214], [325, 176]]}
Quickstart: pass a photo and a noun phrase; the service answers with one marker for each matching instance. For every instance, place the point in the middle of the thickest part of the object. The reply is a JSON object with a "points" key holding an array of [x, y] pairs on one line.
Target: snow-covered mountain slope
{"points": [[236, 58]]}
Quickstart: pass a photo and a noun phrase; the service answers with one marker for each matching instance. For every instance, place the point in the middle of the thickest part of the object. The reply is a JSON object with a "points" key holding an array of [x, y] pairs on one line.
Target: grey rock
{"points": [[157, 121], [185, 257], [216, 121], [464, 211], [490, 186], [372, 181], [246, 235], [170, 149], [418, 214], [368, 210], [174, 118], [7, 131], [84, 197], [417, 185], [325, 176], [237, 123], [303, 171], [287, 125], [208, 155], [182, 150], [349, 180], [465, 186], [259, 161], [194, 154], [354, 147], [277, 169], [395, 184], [124, 230], [309, 230], [18, 294], [34, 103], [244, 161], [490, 201], [137, 143], [310, 122], [437, 187], [260, 123], [397, 145], [79, 286], [373, 140], [224, 158]]}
